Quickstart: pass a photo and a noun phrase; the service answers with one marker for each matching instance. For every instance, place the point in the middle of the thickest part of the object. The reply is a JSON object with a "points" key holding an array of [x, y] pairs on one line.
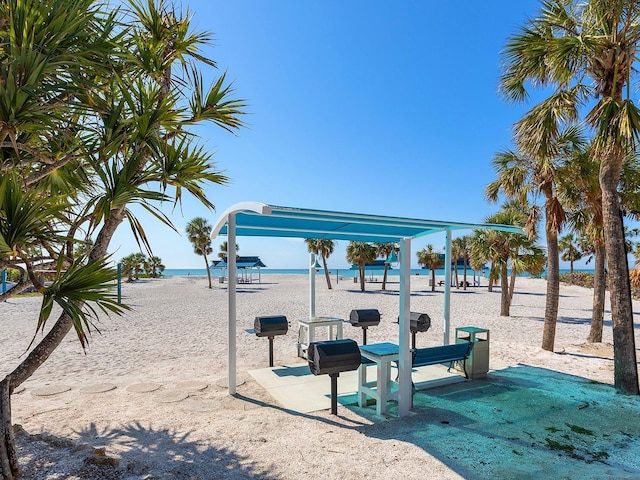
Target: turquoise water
{"points": [[172, 272]]}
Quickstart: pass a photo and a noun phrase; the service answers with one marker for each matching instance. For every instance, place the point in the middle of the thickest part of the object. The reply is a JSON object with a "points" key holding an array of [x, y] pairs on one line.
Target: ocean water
{"points": [[169, 272]]}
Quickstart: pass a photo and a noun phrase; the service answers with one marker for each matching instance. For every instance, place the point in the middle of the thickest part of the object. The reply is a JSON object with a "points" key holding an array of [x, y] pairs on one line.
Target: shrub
{"points": [[582, 279]]}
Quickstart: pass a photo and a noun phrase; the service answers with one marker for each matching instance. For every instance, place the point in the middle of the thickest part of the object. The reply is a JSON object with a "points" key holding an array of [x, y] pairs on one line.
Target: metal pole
{"points": [[404, 360], [447, 288], [231, 260], [334, 393], [119, 267], [312, 286], [271, 351]]}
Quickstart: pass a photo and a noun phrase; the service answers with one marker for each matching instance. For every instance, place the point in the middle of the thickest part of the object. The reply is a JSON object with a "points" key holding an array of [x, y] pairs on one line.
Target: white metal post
{"points": [[312, 286], [231, 261], [404, 360], [447, 287]]}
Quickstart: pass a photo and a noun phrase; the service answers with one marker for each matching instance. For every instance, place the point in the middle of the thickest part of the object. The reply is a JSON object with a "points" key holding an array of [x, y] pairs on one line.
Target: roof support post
{"points": [[233, 274], [404, 360], [312, 286], [447, 287]]}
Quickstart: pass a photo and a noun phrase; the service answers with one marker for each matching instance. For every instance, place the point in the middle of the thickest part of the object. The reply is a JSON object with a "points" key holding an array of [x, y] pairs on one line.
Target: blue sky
{"points": [[377, 107]]}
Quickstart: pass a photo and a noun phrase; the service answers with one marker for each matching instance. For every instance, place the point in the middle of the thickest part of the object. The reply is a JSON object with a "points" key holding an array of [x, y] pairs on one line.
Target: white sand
{"points": [[187, 426]]}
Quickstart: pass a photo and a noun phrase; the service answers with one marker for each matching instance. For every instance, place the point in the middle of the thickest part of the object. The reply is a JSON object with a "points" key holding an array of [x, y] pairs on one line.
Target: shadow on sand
{"points": [[524, 422]]}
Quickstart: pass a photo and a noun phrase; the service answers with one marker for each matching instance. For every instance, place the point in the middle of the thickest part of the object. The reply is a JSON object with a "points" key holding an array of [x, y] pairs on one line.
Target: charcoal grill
{"points": [[270, 326], [418, 322], [332, 357], [369, 317]]}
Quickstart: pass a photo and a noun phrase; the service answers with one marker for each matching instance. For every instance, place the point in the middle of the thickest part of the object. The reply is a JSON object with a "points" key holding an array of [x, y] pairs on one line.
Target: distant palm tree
{"points": [[431, 260], [324, 248], [385, 250], [361, 253], [506, 250], [569, 250], [463, 251], [199, 234], [154, 266], [224, 247], [139, 260], [127, 263]]}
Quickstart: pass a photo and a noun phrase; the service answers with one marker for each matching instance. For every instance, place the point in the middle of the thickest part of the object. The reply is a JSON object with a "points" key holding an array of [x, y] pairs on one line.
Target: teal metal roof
{"points": [[258, 219]]}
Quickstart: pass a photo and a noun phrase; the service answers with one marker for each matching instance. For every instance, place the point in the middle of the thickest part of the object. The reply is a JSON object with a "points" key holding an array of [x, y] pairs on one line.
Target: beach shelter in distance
{"points": [[259, 219]]}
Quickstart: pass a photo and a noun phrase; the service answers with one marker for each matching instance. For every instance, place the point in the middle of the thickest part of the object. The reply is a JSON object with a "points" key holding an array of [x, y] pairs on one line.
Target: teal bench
{"points": [[457, 352]]}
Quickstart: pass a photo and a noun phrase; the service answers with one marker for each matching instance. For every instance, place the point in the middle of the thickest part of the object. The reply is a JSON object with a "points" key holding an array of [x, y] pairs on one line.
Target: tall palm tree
{"points": [[430, 260], [324, 248], [506, 250], [385, 250], [101, 122], [360, 253], [583, 198], [199, 234], [584, 51], [569, 250]]}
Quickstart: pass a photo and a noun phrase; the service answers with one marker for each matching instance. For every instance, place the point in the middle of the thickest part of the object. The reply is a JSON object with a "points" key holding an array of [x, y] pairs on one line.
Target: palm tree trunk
{"points": [[433, 280], [384, 276], [455, 274], [490, 284], [553, 289], [599, 295], [505, 301], [206, 264], [361, 271], [326, 271], [464, 277], [512, 284], [41, 352], [624, 351]]}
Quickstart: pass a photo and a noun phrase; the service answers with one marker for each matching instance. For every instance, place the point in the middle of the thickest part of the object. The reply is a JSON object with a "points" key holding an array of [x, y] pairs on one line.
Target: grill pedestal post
{"points": [[334, 393], [271, 351]]}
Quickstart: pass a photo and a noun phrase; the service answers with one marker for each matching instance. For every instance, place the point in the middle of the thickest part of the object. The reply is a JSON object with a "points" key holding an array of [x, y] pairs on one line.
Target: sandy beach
{"points": [[148, 400]]}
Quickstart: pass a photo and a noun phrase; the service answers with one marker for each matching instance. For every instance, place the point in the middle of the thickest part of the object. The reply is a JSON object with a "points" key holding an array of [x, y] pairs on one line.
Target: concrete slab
{"points": [[296, 388]]}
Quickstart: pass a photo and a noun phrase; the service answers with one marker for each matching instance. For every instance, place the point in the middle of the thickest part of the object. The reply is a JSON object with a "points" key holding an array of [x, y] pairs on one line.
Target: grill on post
{"points": [[332, 357], [364, 318], [418, 322], [270, 326]]}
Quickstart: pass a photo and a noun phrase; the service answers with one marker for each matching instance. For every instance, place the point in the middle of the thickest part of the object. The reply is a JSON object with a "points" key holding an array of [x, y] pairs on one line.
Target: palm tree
{"points": [[101, 122], [430, 260], [128, 265], [569, 250], [199, 234], [531, 172], [583, 198], [324, 248], [154, 266], [506, 250], [361, 253], [224, 248], [585, 52], [385, 250]]}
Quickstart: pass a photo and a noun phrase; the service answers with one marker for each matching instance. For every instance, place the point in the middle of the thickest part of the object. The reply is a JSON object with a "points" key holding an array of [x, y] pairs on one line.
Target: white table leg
{"points": [[362, 380]]}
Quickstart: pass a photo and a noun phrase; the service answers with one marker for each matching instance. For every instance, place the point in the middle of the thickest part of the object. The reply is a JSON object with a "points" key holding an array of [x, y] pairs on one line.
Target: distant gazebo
{"points": [[245, 267]]}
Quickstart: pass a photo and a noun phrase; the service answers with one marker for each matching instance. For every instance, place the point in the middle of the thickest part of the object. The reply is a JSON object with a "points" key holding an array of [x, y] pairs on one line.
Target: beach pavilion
{"points": [[258, 219]]}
